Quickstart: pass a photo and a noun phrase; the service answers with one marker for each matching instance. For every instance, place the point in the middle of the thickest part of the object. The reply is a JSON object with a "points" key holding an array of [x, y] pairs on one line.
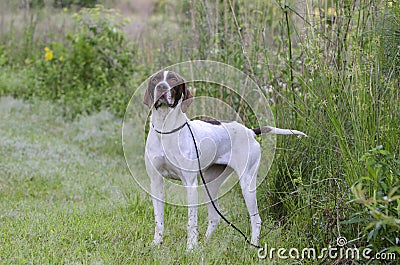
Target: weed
{"points": [[379, 195]]}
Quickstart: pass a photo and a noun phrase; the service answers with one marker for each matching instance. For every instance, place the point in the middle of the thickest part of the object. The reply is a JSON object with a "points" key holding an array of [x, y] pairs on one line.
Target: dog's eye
{"points": [[154, 80], [173, 80]]}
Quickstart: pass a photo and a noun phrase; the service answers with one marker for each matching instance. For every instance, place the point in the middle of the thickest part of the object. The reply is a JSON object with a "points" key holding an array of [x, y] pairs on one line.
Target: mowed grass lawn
{"points": [[66, 197]]}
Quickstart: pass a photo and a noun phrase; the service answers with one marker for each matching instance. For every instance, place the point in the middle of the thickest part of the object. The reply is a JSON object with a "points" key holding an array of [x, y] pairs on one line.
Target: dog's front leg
{"points": [[157, 191], [192, 202]]}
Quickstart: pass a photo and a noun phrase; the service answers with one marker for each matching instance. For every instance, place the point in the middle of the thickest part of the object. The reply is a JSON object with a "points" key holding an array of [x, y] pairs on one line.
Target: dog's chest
{"points": [[166, 155]]}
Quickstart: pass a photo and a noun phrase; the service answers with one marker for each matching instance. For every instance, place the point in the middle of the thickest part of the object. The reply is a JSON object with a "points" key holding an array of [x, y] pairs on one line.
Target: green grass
{"points": [[65, 199]]}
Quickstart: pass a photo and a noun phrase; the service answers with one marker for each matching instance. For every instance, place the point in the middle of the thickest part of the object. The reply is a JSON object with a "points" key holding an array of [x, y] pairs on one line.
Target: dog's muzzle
{"points": [[163, 100], [162, 90]]}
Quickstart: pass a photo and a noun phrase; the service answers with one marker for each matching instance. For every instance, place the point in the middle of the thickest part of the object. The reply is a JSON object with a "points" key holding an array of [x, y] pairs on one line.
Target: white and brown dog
{"points": [[224, 147]]}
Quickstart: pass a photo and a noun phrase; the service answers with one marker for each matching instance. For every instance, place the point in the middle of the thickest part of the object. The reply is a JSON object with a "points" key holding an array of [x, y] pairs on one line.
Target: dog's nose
{"points": [[162, 86]]}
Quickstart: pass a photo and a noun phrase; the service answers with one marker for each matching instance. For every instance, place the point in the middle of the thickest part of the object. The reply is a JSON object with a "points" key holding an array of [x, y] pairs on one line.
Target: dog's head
{"points": [[167, 89]]}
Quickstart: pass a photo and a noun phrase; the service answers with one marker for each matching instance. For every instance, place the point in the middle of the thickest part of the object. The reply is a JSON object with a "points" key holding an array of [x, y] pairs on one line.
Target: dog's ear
{"points": [[148, 95], [187, 98]]}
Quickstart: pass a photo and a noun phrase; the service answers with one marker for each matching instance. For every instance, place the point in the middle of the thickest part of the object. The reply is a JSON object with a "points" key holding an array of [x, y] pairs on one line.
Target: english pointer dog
{"points": [[224, 147]]}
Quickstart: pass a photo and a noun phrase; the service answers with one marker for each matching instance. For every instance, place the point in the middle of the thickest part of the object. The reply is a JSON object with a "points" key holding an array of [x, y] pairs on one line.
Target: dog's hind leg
{"points": [[248, 183], [214, 177], [250, 199]]}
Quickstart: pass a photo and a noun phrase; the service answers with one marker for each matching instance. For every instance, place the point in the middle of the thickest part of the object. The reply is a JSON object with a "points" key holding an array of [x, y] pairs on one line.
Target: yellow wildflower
{"points": [[48, 56], [331, 12]]}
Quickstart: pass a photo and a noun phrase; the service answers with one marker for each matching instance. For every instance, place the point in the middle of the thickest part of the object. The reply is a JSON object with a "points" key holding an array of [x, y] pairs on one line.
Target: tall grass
{"points": [[324, 62]]}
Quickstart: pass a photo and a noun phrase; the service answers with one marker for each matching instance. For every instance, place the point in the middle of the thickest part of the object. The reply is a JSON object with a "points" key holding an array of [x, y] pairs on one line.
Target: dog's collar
{"points": [[169, 132]]}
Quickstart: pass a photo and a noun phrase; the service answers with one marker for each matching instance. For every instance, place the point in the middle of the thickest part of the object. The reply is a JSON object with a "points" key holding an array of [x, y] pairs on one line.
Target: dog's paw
{"points": [[155, 243], [190, 247]]}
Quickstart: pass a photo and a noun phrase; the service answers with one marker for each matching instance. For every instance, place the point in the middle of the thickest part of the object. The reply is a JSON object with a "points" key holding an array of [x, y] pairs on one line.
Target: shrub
{"points": [[91, 69], [378, 193]]}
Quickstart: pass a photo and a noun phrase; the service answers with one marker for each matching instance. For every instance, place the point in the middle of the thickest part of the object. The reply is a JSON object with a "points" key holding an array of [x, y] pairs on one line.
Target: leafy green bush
{"points": [[378, 193], [3, 56], [91, 69]]}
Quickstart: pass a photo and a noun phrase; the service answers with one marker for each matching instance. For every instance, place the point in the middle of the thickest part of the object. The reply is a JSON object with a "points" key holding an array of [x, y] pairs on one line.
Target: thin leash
{"points": [[209, 195]]}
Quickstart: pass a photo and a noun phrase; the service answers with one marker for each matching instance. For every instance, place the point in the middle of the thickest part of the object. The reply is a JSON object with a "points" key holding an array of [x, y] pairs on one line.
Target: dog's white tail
{"points": [[273, 130]]}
